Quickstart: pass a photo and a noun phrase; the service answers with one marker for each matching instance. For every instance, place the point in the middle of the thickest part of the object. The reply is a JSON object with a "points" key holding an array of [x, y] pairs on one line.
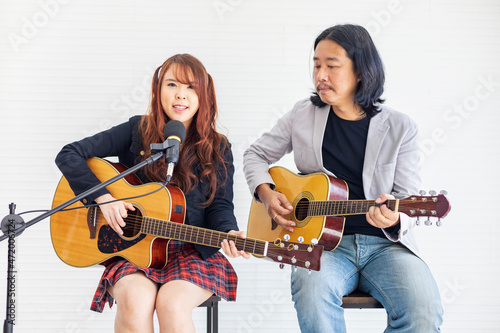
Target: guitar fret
{"points": [[210, 238], [176, 231], [155, 226], [349, 206]]}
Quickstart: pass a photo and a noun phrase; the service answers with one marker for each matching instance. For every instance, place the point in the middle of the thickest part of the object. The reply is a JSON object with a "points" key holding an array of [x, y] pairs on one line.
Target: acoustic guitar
{"points": [[81, 236], [320, 204]]}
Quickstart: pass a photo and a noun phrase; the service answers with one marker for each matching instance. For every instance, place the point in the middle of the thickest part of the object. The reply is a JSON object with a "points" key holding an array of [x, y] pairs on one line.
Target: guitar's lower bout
{"points": [[82, 237], [300, 191]]}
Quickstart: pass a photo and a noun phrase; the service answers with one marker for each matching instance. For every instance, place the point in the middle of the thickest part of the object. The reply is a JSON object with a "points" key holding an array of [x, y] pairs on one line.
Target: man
{"points": [[343, 130]]}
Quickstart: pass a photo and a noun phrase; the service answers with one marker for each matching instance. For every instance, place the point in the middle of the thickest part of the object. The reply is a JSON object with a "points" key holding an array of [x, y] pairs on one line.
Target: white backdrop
{"points": [[70, 68]]}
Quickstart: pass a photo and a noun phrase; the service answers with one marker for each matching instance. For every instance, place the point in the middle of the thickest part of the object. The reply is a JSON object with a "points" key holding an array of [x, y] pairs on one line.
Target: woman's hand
{"points": [[114, 212], [277, 205], [229, 247], [382, 217]]}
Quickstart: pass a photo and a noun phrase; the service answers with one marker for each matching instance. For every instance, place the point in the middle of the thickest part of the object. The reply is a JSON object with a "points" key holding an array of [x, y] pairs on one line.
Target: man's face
{"points": [[335, 78]]}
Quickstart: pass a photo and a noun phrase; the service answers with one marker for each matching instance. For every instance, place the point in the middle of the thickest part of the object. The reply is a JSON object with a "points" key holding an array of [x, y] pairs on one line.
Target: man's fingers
{"points": [[283, 222]]}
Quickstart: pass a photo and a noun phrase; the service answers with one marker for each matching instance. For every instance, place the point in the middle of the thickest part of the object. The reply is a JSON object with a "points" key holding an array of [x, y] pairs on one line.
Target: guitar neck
{"points": [[346, 207], [202, 236]]}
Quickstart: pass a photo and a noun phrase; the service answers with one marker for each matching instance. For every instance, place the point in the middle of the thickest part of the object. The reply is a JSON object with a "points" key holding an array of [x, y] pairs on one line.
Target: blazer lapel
{"points": [[320, 120], [376, 133]]}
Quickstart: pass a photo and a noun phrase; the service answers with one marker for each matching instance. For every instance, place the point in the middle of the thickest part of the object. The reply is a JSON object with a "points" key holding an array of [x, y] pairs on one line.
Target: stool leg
{"points": [[215, 317], [210, 310]]}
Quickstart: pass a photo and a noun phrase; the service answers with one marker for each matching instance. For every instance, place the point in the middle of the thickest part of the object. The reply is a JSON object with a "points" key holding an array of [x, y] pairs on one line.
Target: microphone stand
{"points": [[13, 225]]}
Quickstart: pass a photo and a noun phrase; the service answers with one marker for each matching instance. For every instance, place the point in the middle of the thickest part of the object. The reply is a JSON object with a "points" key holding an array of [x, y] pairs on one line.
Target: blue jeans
{"points": [[388, 271]]}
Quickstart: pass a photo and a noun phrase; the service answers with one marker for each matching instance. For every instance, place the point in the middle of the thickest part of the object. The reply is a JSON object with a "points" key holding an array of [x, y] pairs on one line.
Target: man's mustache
{"points": [[323, 86]]}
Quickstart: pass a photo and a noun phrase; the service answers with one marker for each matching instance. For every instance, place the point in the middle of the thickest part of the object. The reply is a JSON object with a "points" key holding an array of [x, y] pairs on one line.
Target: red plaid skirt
{"points": [[185, 263]]}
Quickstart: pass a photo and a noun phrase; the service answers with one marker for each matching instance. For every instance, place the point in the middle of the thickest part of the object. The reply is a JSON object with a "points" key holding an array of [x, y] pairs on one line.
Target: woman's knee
{"points": [[175, 303], [134, 316], [135, 297]]}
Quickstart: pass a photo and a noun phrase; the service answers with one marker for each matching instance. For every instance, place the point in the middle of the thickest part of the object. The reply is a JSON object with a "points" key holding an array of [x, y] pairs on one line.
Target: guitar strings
{"points": [[165, 228], [318, 206], [135, 221], [185, 232], [354, 202]]}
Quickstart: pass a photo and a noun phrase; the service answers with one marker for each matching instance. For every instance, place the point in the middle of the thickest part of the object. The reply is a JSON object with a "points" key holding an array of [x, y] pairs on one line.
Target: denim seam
{"points": [[392, 313], [348, 276]]}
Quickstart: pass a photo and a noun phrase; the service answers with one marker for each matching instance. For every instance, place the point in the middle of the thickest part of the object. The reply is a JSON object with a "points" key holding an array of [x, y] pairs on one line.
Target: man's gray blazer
{"points": [[391, 159]]}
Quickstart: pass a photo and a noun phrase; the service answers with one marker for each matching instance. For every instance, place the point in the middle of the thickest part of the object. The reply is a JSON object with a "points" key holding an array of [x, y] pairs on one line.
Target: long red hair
{"points": [[203, 148]]}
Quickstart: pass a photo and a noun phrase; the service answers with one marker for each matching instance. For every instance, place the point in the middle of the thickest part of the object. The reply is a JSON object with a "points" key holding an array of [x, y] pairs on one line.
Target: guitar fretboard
{"points": [[199, 235], [345, 207]]}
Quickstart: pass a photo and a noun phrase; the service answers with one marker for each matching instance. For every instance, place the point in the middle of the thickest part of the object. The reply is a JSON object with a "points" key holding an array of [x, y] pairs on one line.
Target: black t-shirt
{"points": [[343, 150]]}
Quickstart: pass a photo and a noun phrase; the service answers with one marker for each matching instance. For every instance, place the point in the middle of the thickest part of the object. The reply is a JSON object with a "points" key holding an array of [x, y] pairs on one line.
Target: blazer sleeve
{"points": [[406, 179], [71, 160]]}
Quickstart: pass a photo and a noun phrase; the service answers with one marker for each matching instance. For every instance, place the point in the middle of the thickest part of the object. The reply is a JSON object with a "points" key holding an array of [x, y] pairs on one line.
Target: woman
{"points": [[182, 90]]}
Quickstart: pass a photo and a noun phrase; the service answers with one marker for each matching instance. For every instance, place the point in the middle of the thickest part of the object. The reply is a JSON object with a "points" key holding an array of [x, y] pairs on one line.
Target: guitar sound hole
{"points": [[301, 209], [133, 223]]}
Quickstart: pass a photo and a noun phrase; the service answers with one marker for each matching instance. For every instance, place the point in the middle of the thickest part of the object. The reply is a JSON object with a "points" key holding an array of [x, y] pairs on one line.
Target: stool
{"points": [[360, 300], [212, 305]]}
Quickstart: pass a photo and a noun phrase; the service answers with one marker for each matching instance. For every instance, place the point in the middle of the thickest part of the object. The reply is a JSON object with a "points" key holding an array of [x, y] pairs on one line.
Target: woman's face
{"points": [[178, 100]]}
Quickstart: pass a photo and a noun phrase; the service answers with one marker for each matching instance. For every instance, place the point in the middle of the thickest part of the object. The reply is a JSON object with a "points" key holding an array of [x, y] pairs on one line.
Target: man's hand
{"points": [[382, 217], [277, 205]]}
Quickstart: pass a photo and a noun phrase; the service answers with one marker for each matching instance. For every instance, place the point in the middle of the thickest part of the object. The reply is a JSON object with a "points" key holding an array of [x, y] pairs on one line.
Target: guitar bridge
{"points": [[92, 215]]}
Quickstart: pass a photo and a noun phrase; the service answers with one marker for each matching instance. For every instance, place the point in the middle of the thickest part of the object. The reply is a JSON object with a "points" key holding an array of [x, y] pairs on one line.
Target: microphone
{"points": [[174, 133]]}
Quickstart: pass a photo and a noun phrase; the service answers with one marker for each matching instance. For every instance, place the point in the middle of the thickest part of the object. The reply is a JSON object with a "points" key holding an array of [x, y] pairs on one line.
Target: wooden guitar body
{"points": [[301, 189], [79, 236]]}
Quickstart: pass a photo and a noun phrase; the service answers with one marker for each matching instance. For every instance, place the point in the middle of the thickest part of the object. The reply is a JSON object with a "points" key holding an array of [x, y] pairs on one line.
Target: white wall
{"points": [[71, 68]]}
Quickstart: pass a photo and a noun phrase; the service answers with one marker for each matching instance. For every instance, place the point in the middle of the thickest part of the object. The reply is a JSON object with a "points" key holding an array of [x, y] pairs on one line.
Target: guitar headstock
{"points": [[302, 255], [431, 206]]}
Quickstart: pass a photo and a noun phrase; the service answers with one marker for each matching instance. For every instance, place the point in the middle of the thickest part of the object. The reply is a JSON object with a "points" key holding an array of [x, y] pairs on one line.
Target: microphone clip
{"points": [[171, 142]]}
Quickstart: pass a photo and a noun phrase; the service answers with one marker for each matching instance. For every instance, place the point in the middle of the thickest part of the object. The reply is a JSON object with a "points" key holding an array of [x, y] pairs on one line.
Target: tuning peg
{"points": [[417, 222], [282, 265], [421, 192], [300, 239], [432, 192], [286, 237], [443, 192], [428, 222], [439, 223]]}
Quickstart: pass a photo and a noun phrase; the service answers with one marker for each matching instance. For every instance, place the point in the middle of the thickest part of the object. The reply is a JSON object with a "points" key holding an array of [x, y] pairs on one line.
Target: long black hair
{"points": [[360, 48]]}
